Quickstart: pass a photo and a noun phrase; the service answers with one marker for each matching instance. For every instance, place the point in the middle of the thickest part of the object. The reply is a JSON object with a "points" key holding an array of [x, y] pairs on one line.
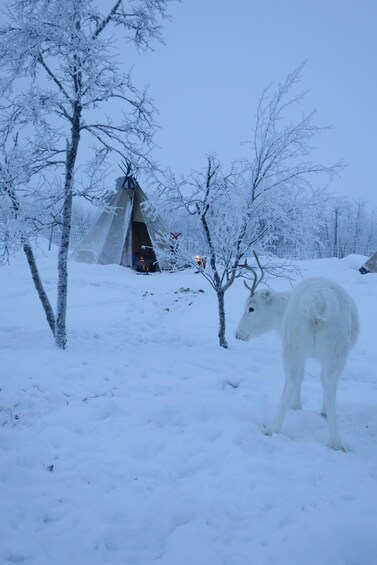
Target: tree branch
{"points": [[54, 78], [106, 20]]}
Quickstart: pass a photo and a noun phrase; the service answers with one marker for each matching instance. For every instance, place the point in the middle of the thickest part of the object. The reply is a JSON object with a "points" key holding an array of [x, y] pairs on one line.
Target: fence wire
{"points": [[284, 251]]}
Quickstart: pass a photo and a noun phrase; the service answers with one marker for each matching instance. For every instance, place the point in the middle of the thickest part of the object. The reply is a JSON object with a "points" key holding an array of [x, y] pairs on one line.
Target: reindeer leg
{"points": [[294, 368], [297, 403], [329, 378], [323, 409]]}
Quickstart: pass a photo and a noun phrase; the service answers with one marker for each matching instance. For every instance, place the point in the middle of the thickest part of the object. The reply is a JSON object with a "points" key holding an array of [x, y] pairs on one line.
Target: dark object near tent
{"points": [[370, 266], [127, 235]]}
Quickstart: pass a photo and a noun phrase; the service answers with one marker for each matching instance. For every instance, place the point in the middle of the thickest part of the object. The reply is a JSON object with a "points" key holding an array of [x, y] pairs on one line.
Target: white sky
{"points": [[220, 54]]}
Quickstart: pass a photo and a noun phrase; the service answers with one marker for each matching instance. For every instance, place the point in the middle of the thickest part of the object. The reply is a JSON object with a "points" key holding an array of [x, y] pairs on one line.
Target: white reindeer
{"points": [[316, 319]]}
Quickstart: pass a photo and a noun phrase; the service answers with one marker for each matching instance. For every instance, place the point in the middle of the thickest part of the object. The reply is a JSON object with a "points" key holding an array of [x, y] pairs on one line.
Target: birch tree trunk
{"points": [[221, 307], [61, 308], [39, 287]]}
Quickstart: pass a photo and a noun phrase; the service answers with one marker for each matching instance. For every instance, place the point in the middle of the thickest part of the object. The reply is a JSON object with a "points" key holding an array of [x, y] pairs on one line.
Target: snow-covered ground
{"points": [[142, 443]]}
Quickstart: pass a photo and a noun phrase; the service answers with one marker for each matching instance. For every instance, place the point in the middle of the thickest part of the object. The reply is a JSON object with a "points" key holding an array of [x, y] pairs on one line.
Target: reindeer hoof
{"points": [[337, 446], [267, 431]]}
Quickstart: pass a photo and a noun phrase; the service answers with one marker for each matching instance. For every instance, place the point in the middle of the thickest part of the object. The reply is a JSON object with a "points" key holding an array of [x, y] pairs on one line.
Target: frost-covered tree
{"points": [[211, 200], [347, 228], [372, 231], [60, 79], [256, 201], [283, 142], [20, 217], [298, 233]]}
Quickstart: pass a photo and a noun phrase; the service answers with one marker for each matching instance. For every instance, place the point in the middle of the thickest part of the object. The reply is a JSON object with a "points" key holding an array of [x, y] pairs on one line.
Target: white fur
{"points": [[316, 319]]}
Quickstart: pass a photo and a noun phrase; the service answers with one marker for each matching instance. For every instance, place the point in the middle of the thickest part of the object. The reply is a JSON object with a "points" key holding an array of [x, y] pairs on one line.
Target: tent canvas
{"points": [[370, 266], [127, 233]]}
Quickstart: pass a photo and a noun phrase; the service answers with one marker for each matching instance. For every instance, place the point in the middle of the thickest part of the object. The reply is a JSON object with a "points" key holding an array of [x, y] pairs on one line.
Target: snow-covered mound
{"points": [[142, 443]]}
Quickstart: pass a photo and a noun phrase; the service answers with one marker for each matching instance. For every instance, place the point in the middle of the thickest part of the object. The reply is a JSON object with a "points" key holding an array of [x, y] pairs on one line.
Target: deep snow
{"points": [[142, 443]]}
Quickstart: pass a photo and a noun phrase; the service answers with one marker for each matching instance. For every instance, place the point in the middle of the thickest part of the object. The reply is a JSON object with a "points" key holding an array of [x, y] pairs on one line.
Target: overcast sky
{"points": [[220, 54]]}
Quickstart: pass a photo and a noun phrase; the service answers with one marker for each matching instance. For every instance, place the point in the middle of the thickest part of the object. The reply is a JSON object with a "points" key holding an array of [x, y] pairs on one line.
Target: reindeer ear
{"points": [[267, 297]]}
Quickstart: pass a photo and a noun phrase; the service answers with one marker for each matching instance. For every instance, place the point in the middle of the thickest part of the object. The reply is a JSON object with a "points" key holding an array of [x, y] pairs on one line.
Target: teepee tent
{"points": [[127, 234], [370, 266]]}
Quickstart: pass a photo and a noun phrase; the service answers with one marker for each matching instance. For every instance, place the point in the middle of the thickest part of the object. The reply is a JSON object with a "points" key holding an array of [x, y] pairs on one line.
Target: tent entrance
{"points": [[143, 257]]}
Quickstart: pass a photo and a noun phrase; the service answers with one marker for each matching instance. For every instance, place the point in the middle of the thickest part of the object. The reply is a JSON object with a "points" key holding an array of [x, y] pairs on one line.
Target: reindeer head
{"points": [[258, 315]]}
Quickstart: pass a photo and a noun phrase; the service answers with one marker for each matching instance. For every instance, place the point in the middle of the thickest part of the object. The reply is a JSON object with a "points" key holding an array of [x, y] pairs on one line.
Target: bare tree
{"points": [[282, 142], [217, 241], [211, 204], [15, 170], [348, 225], [248, 206], [60, 76]]}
